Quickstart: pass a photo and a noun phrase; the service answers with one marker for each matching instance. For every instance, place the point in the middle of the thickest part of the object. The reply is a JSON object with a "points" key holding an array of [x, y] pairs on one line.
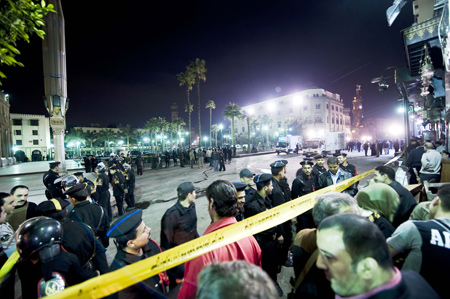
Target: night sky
{"points": [[123, 56]]}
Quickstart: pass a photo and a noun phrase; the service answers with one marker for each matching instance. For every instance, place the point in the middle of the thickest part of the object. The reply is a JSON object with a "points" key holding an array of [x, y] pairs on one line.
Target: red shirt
{"points": [[245, 249]]}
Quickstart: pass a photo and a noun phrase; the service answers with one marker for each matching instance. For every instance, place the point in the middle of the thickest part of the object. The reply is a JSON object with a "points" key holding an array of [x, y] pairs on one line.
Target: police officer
{"points": [[240, 188], [44, 267], [269, 239], [246, 177], [53, 190], [93, 215], [132, 238], [344, 165], [284, 182], [118, 184], [90, 185], [102, 189], [304, 184], [78, 237], [318, 168], [130, 183]]}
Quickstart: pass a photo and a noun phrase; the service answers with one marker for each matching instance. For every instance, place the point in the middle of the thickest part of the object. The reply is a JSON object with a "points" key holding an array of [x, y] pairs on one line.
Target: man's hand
{"points": [[280, 239]]}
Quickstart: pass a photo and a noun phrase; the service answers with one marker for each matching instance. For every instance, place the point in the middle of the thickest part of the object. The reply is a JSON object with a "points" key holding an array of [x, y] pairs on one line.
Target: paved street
{"points": [[156, 189]]}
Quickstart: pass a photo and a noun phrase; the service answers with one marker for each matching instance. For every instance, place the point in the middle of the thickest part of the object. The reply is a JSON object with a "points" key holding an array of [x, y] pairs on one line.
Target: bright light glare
{"points": [[297, 100], [205, 138], [400, 109], [271, 106], [250, 111]]}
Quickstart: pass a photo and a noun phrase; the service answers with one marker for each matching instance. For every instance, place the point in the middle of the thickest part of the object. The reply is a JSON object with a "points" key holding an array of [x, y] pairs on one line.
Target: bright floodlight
{"points": [[401, 110], [251, 111], [120, 142], [205, 138], [297, 100], [220, 127], [271, 106], [145, 139]]}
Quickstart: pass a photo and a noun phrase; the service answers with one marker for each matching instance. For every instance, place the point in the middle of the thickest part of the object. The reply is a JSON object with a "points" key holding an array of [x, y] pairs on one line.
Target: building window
{"points": [[34, 122], [279, 124], [340, 109], [328, 106], [281, 102], [332, 107], [35, 142], [35, 132], [341, 121], [332, 120], [235, 131], [243, 129], [317, 106], [318, 120], [17, 132], [17, 122], [328, 119], [18, 142], [305, 108]]}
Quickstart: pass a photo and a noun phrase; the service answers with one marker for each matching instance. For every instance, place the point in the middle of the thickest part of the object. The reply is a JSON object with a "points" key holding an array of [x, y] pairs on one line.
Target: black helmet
{"points": [[36, 234]]}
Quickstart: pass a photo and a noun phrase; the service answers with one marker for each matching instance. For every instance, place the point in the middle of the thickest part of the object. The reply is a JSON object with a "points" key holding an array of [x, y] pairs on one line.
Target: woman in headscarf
{"points": [[379, 202]]}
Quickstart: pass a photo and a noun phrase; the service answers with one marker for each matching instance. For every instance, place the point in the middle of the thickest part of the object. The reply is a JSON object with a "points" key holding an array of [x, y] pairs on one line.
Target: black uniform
{"points": [[302, 186], [53, 190], [93, 215], [79, 239], [152, 287], [131, 182], [104, 197], [350, 168], [178, 225], [267, 239], [65, 264], [317, 171], [118, 184]]}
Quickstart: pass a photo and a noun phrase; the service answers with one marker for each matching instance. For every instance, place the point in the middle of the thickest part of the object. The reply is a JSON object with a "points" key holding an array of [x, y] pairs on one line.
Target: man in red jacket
{"points": [[222, 207]]}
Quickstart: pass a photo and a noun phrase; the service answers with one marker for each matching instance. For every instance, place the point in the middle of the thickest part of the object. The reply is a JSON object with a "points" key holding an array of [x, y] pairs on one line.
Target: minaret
{"points": [[55, 78], [174, 111], [357, 111]]}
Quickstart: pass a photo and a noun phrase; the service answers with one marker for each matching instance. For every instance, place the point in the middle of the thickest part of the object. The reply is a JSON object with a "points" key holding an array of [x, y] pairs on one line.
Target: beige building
{"points": [[31, 134], [319, 111]]}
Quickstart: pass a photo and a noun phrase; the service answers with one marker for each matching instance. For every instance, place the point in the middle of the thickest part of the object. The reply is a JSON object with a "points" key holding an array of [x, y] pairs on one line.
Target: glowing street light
{"points": [[221, 134], [205, 139]]}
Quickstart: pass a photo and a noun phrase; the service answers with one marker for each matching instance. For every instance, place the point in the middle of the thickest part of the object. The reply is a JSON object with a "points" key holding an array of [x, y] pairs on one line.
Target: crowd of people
{"points": [[374, 241]]}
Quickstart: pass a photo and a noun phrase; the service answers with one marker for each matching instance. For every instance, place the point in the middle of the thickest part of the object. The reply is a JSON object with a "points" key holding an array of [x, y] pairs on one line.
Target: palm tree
{"points": [[247, 117], [266, 121], [198, 68], [178, 123], [215, 129], [91, 137], [76, 135], [231, 112], [189, 108], [127, 132], [188, 79], [211, 105], [163, 126], [152, 126], [107, 135]]}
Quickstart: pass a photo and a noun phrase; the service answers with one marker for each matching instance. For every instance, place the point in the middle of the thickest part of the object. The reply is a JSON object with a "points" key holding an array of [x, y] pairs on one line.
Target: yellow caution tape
{"points": [[120, 279], [9, 264]]}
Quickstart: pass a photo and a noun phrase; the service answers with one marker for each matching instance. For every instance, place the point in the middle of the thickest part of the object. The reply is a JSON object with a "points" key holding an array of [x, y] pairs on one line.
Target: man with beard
{"points": [[247, 178], [240, 188]]}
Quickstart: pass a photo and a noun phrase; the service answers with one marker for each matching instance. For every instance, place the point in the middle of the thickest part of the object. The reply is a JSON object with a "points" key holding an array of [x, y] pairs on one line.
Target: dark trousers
{"points": [[129, 197], [99, 261], [119, 203], [105, 202], [139, 170], [269, 262], [222, 165]]}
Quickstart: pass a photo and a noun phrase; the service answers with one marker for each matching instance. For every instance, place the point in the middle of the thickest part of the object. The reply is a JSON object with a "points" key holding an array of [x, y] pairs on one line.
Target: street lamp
{"points": [[400, 77], [205, 139], [221, 135]]}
